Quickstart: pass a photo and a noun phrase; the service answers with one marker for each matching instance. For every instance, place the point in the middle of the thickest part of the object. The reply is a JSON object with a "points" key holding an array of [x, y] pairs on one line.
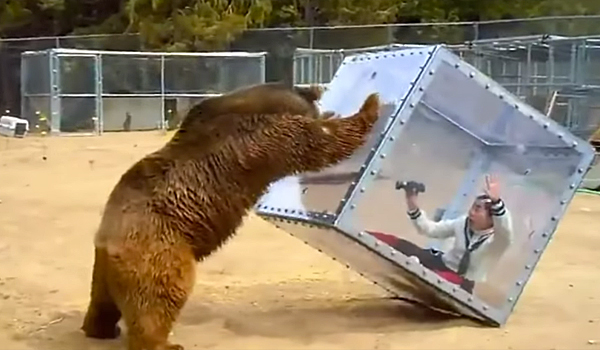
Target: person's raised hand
{"points": [[492, 187]]}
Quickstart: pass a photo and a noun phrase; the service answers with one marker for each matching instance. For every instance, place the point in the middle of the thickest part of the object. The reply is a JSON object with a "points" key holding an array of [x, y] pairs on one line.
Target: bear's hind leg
{"points": [[158, 288], [102, 314], [149, 330]]}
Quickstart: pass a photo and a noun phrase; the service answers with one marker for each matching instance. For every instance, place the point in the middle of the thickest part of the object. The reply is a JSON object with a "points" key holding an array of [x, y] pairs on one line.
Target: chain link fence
{"points": [[510, 51], [91, 91]]}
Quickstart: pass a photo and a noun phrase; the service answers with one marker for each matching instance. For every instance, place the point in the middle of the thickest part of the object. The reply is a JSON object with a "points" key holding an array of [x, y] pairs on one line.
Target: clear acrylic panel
{"points": [[36, 73], [373, 261], [78, 114], [388, 74], [130, 113], [431, 151], [355, 255], [128, 75], [458, 132], [211, 75], [483, 114], [77, 74]]}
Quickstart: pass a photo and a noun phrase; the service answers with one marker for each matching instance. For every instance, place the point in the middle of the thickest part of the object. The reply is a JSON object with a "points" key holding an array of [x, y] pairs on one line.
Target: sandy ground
{"points": [[264, 290]]}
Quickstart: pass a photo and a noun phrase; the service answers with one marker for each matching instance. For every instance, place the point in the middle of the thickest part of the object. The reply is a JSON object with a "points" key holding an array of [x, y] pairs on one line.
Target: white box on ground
{"points": [[13, 126]]}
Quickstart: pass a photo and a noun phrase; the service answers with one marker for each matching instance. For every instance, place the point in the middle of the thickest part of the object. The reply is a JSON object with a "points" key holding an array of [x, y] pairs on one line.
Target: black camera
{"points": [[410, 186]]}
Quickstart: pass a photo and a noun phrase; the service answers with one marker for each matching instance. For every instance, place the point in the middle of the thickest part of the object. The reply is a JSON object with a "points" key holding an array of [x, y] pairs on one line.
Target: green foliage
{"points": [[13, 13], [183, 25]]}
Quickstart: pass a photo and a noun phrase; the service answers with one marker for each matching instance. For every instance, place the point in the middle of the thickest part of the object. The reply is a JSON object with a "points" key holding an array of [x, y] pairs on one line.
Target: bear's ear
{"points": [[311, 93]]}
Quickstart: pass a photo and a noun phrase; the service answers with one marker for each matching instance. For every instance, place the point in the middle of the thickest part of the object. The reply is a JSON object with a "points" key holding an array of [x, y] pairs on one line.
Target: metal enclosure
{"points": [[89, 91], [445, 124]]}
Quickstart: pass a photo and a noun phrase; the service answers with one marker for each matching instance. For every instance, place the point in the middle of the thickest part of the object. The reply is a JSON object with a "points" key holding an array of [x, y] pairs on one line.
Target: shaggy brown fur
{"points": [[269, 98], [181, 203]]}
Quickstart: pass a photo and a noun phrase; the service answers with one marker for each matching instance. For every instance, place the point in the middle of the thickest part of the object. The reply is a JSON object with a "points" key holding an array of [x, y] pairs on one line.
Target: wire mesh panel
{"points": [[98, 91], [206, 74], [35, 90], [76, 84], [129, 75]]}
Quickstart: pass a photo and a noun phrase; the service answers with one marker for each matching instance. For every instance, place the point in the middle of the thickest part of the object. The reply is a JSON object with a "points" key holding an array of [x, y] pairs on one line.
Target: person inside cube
{"points": [[481, 237]]}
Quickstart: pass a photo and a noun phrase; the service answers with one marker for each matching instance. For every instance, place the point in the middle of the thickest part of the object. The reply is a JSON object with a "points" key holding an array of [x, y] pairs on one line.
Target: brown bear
{"points": [[180, 203]]}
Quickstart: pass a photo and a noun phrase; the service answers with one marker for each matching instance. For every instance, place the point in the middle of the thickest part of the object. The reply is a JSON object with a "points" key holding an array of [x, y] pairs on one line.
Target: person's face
{"points": [[479, 217]]}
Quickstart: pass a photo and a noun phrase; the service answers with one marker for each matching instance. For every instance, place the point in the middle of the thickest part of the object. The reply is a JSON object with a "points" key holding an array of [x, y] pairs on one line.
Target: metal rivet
{"points": [[412, 105], [485, 307], [572, 186], [536, 251], [487, 86], [574, 144], [392, 138], [471, 75], [546, 125], [545, 234], [353, 183], [431, 72], [560, 136], [362, 189], [420, 88], [376, 243], [527, 172], [352, 206], [527, 267], [531, 116], [392, 252], [402, 122], [519, 283], [470, 299], [382, 156], [580, 171], [563, 202], [510, 299], [373, 172], [456, 65], [553, 218], [453, 290], [360, 234], [439, 281], [501, 97]]}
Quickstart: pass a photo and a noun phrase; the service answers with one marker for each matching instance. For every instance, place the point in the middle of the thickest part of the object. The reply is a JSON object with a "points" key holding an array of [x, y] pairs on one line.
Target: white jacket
{"points": [[484, 257]]}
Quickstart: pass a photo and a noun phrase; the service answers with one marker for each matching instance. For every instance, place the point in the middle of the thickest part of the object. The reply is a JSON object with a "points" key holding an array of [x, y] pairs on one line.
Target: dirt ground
{"points": [[265, 289]]}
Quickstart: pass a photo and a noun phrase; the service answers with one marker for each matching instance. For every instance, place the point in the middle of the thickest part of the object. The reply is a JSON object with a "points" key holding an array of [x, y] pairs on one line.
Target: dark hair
{"points": [[487, 203]]}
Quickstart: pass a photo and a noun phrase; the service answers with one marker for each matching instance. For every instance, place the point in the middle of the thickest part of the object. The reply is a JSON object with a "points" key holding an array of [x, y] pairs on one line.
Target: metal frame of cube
{"points": [[424, 281]]}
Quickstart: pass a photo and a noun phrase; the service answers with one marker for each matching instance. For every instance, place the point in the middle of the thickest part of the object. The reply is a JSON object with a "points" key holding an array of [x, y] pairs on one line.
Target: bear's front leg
{"points": [[152, 287]]}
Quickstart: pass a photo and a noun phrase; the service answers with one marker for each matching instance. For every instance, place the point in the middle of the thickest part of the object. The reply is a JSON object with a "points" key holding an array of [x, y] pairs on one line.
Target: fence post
{"points": [[163, 122], [55, 105], [99, 88]]}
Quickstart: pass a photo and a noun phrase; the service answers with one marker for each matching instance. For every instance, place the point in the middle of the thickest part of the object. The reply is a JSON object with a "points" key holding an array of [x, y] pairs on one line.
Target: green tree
{"points": [[181, 25]]}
